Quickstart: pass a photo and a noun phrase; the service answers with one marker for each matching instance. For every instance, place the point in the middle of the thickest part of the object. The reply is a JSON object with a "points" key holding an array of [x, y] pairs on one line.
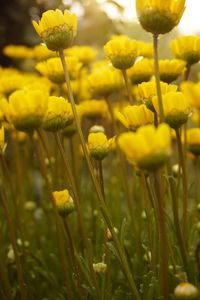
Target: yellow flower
{"points": [[133, 116], [193, 140], [18, 52], [105, 81], [176, 108], [85, 54], [94, 109], [158, 16], [27, 108], [11, 83], [171, 69], [52, 68], [192, 92], [148, 147], [98, 145], [59, 114], [121, 52], [141, 71], [57, 29], [2, 139], [186, 291], [145, 49], [64, 202], [19, 136], [147, 90], [186, 48], [41, 52]]}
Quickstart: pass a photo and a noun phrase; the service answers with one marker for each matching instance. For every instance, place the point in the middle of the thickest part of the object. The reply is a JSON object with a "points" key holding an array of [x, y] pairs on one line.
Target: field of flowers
{"points": [[99, 164]]}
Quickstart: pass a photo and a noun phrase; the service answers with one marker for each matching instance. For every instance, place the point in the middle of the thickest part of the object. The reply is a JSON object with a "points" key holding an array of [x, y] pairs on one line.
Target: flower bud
{"points": [[186, 291], [64, 202]]}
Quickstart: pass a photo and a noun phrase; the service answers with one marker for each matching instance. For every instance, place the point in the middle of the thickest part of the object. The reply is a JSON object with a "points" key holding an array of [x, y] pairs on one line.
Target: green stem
{"points": [[157, 77], [184, 184], [13, 239], [128, 86], [102, 205], [163, 236], [187, 72]]}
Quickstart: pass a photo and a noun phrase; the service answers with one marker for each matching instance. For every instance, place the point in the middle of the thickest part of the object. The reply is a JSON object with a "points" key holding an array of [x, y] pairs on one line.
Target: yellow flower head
{"points": [[176, 108], [98, 145], [193, 140], [10, 83], [148, 147], [18, 52], [57, 29], [171, 69], [41, 52], [94, 109], [85, 54], [144, 49], [2, 139], [59, 114], [186, 48], [121, 52], [27, 108], [133, 116], [141, 71], [158, 16], [147, 90], [19, 136], [52, 68], [64, 202], [187, 291], [105, 81], [192, 92]]}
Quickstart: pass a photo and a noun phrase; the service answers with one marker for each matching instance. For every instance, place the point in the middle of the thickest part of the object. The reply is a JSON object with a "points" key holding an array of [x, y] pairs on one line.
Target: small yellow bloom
{"points": [[171, 69], [52, 68], [98, 145], [19, 136], [145, 49], [147, 90], [133, 116], [148, 147], [186, 48], [64, 202], [192, 92], [57, 29], [176, 108], [41, 52], [121, 52], [94, 109], [141, 71], [105, 81], [186, 291], [11, 83], [193, 140], [59, 114], [2, 139], [100, 267], [27, 108], [85, 54], [158, 16], [18, 52]]}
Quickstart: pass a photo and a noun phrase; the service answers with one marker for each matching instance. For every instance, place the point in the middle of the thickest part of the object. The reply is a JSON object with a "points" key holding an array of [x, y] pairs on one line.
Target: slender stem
{"points": [[184, 184], [101, 182], [14, 245], [157, 77], [163, 236], [102, 205], [128, 86], [187, 72]]}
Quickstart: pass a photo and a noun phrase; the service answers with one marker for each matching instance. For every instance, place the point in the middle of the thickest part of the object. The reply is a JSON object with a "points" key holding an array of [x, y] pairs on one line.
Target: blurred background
{"points": [[97, 19]]}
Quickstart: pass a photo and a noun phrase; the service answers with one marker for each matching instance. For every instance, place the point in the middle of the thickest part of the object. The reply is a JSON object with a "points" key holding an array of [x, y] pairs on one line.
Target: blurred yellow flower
{"points": [[192, 92], [64, 202], [176, 108], [27, 108], [59, 114], [94, 109], [171, 69], [121, 52], [85, 54], [193, 140], [186, 48], [147, 90], [2, 139], [98, 145], [20, 52], [57, 29], [141, 71], [145, 49], [148, 147], [104, 81], [52, 68], [133, 116], [158, 16], [41, 52], [187, 291]]}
